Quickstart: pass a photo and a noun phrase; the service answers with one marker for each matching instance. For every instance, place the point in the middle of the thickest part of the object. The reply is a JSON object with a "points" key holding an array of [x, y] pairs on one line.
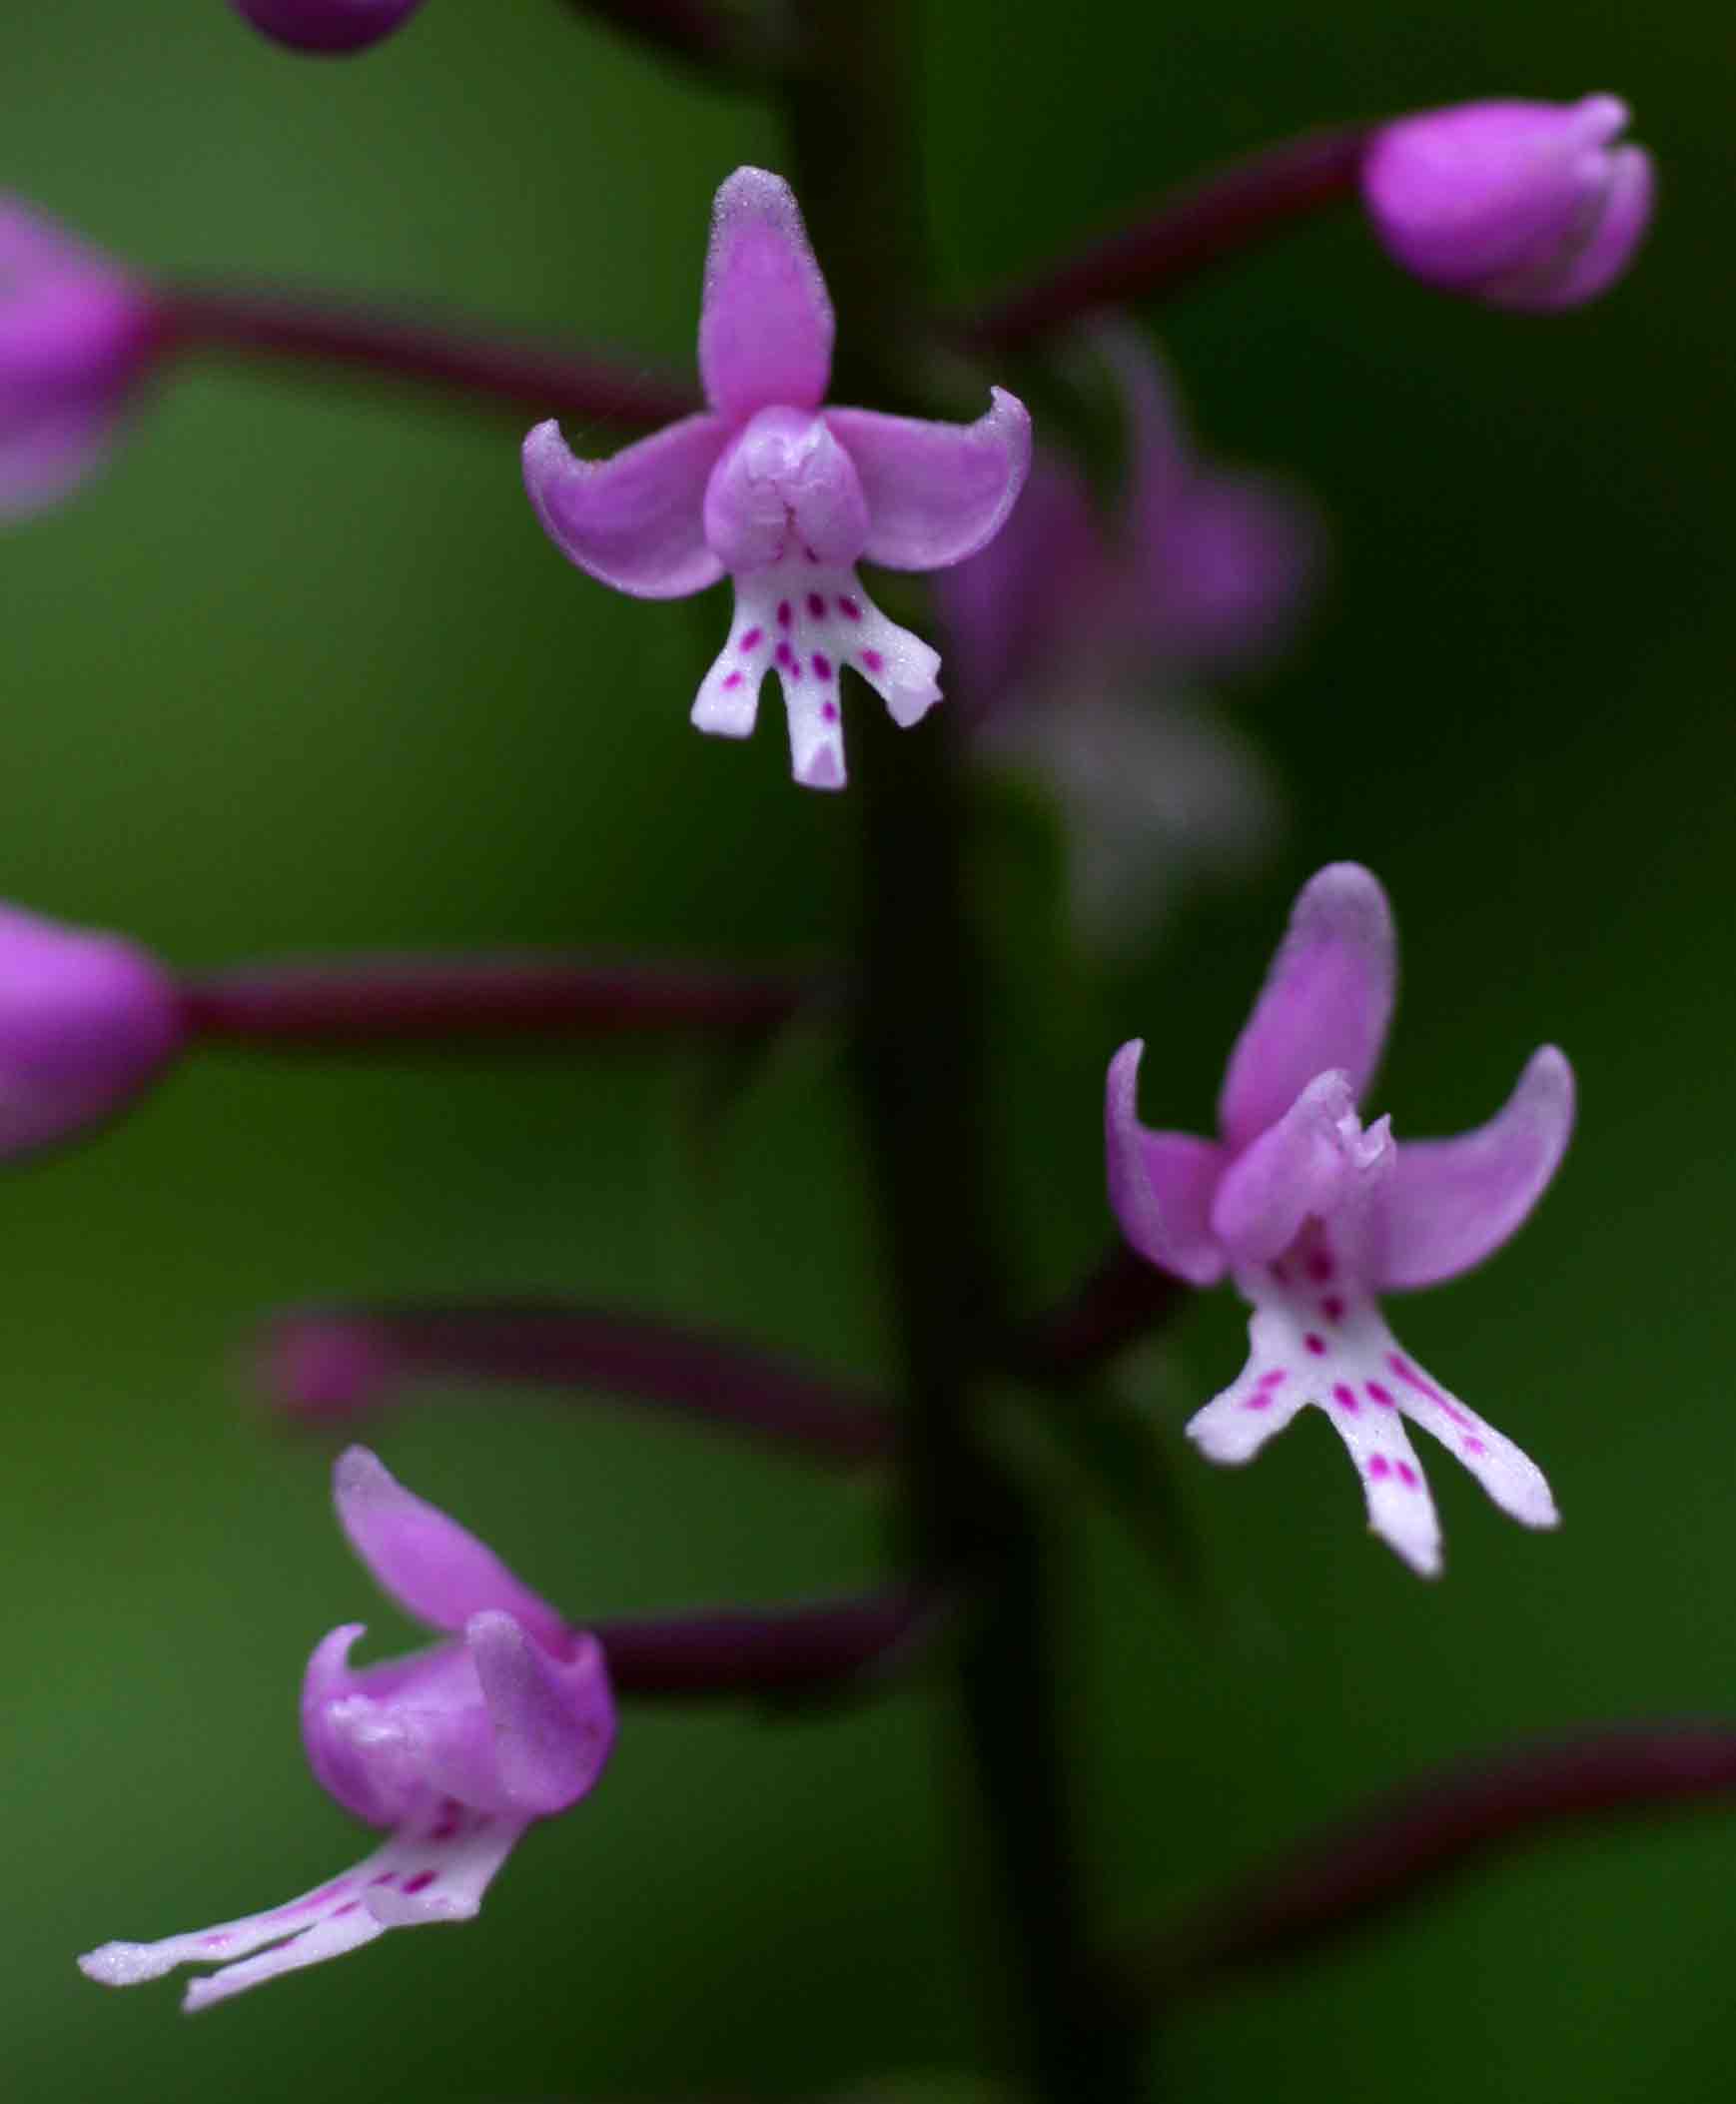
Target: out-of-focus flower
{"points": [[456, 1750], [1081, 642], [1522, 203], [1314, 1214], [784, 495], [327, 27], [86, 1022], [76, 335]]}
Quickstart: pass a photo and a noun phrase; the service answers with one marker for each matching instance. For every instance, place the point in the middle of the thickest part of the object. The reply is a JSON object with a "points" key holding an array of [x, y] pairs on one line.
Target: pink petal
{"points": [[1451, 1203], [1607, 251], [434, 1569], [935, 492], [1326, 1004], [1160, 1183], [434, 1872], [553, 1718], [765, 318], [635, 520], [51, 456], [1316, 1160]]}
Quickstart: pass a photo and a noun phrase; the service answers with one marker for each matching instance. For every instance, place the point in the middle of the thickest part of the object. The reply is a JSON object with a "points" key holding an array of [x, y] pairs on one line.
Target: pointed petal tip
{"points": [[358, 1476], [766, 317]]}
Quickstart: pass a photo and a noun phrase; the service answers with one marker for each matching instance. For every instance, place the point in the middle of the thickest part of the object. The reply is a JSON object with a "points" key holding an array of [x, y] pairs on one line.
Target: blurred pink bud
{"points": [[1522, 204], [327, 27], [86, 1022]]}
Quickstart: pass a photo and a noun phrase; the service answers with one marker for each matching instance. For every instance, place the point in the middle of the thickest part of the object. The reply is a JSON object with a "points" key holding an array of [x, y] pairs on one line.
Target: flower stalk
{"points": [[365, 1004], [324, 1365], [471, 360]]}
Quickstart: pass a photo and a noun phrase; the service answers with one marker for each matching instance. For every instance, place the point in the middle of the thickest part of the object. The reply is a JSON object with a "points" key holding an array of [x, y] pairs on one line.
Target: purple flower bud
{"points": [[327, 27], [75, 334], [86, 1021], [1522, 203]]}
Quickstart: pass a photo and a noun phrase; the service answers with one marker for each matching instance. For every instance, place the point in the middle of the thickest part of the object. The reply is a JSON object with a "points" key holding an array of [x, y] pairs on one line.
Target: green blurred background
{"points": [[302, 673]]}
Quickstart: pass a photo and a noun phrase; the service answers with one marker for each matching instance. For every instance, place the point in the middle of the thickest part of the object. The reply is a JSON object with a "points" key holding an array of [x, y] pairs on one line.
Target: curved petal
{"points": [[554, 1720], [935, 492], [635, 520], [327, 27], [1315, 1160], [434, 1569], [766, 317], [1326, 1002], [436, 1870], [1606, 250], [1160, 1183], [1451, 1203]]}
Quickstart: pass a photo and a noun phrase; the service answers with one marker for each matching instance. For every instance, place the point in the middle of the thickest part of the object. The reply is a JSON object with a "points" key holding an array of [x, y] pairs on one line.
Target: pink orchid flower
{"points": [[456, 1750], [783, 495], [1314, 1214]]}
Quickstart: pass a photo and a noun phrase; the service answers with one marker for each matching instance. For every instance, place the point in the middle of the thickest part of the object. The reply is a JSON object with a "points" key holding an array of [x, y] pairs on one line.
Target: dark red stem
{"points": [[785, 1650], [1202, 224], [1122, 1301], [373, 1002], [332, 1363], [529, 378], [1383, 1858]]}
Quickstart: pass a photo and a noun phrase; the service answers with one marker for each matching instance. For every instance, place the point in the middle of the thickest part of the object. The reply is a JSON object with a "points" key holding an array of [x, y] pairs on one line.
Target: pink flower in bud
{"points": [[1522, 203], [329, 28], [75, 336], [86, 1022], [456, 1750], [1313, 1214], [783, 495]]}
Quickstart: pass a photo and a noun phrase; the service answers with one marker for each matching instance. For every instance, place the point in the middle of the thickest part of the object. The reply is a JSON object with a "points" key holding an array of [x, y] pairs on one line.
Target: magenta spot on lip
{"points": [[1272, 1378], [445, 1831], [752, 639], [348, 1907], [873, 661], [1378, 1465], [1280, 1273], [1471, 1446], [1378, 1394], [733, 680], [785, 655], [808, 552], [1333, 1308], [816, 605], [1408, 1475], [822, 665], [848, 607], [784, 616], [385, 1877], [1321, 1265], [420, 1882], [1260, 1400], [1346, 1398], [829, 712], [1406, 1372], [219, 1939], [1317, 1345]]}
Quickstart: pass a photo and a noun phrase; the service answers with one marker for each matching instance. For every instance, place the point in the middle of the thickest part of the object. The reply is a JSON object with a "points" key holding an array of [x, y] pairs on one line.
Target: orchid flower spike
{"points": [[1520, 204], [87, 1021], [327, 27], [75, 336], [1313, 1214], [785, 494], [455, 1749]]}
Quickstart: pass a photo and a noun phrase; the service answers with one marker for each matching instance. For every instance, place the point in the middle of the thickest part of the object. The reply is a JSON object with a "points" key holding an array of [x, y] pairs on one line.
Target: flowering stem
{"points": [[1200, 226], [1381, 1859], [975, 1525], [368, 1003], [835, 1645], [322, 1363], [525, 378]]}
